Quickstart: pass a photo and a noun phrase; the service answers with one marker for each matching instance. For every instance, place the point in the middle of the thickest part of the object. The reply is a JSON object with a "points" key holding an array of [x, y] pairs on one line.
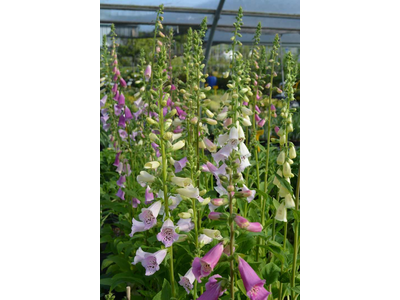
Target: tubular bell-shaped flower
{"points": [[187, 280], [213, 289], [149, 215], [167, 235], [185, 225], [202, 267], [150, 261], [253, 284], [145, 178], [189, 191]]}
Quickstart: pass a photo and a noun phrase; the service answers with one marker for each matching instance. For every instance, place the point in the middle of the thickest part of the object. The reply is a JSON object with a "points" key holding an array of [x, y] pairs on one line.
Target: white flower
{"points": [[281, 158], [246, 121], [286, 170], [178, 145], [189, 192], [180, 181], [145, 178], [289, 202], [292, 152], [152, 165], [281, 213], [215, 234], [204, 240]]}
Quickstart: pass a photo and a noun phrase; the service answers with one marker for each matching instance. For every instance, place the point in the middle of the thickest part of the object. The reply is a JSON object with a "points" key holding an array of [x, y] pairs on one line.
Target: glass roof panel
{"points": [[207, 4]]}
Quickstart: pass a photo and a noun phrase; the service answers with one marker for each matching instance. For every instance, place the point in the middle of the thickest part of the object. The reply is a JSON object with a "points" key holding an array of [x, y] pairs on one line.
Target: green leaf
{"points": [[271, 272], [296, 214], [166, 291], [126, 277], [241, 286], [285, 277]]}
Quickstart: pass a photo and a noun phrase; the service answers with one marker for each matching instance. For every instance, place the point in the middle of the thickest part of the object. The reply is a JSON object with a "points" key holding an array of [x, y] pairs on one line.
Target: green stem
{"points": [[296, 237], [232, 241], [283, 261]]}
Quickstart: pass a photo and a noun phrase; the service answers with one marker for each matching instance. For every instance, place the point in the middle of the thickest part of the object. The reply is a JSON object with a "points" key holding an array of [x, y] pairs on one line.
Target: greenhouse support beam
{"points": [[196, 10], [212, 31], [283, 74]]}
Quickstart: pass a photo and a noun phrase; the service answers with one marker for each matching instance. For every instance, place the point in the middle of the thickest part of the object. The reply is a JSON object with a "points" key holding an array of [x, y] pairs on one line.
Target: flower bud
{"points": [[167, 136], [209, 113], [193, 120], [230, 188], [281, 213], [185, 215], [203, 192], [211, 121], [281, 158], [152, 165], [214, 234], [286, 170], [289, 202], [282, 140], [292, 152]]}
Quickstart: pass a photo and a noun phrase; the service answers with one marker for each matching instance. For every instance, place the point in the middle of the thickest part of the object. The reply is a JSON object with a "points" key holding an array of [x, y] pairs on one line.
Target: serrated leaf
{"points": [[271, 272]]}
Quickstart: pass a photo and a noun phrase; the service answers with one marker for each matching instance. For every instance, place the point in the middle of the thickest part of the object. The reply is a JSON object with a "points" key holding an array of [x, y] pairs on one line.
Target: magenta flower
{"points": [[147, 73], [136, 226], [202, 267], [128, 114], [116, 162], [103, 101], [173, 87], [187, 281], [273, 108], [120, 168], [257, 118], [121, 99], [135, 202], [121, 194], [213, 289], [254, 227], [252, 283], [261, 123], [114, 88], [214, 215], [223, 153], [121, 181], [257, 109], [180, 164], [122, 82], [245, 224], [149, 215], [121, 121], [168, 235], [276, 129], [185, 225], [150, 261], [148, 196]]}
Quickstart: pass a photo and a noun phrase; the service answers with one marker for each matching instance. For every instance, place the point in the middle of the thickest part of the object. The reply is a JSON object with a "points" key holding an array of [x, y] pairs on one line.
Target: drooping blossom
{"points": [[168, 235], [202, 267], [122, 82], [121, 99], [150, 261], [281, 213], [149, 215], [123, 134], [147, 73], [121, 194], [128, 114], [214, 215], [181, 181], [103, 101], [135, 202], [121, 121], [116, 162], [144, 178], [187, 281], [148, 196], [245, 224], [249, 194], [185, 225], [121, 181], [213, 289], [252, 283], [180, 164], [227, 249], [190, 192], [136, 226], [204, 240]]}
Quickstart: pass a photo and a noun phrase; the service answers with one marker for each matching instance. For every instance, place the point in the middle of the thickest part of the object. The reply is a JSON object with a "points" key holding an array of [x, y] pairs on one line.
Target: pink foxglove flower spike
{"points": [[187, 281], [203, 267]]}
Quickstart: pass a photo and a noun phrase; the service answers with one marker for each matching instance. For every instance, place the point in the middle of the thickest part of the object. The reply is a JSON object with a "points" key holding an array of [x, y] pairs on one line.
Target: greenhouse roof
{"points": [[276, 16]]}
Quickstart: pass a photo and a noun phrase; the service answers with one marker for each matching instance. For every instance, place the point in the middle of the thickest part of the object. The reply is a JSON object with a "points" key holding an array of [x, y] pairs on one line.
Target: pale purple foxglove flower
{"points": [[114, 88], [148, 196], [147, 73], [121, 99], [268, 85], [115, 77], [253, 284], [204, 168], [249, 194], [121, 181], [178, 129], [257, 118], [261, 123], [134, 135], [258, 97], [103, 101], [185, 225], [213, 289], [120, 168], [139, 102], [174, 201], [257, 109], [135, 203], [114, 70], [136, 225], [155, 147], [204, 240], [233, 137], [223, 153], [150, 261], [244, 163], [116, 162], [127, 169], [104, 119], [276, 129], [227, 122], [122, 82], [187, 281], [245, 224], [245, 103], [273, 108], [106, 127], [173, 87], [214, 215], [255, 83], [210, 145], [180, 164], [158, 49], [121, 194], [202, 267], [123, 134], [104, 111], [117, 109], [121, 121], [149, 215], [169, 102], [144, 178], [168, 235]]}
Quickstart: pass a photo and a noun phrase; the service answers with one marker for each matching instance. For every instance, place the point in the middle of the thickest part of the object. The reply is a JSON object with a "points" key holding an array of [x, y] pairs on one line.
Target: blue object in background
{"points": [[212, 81]]}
